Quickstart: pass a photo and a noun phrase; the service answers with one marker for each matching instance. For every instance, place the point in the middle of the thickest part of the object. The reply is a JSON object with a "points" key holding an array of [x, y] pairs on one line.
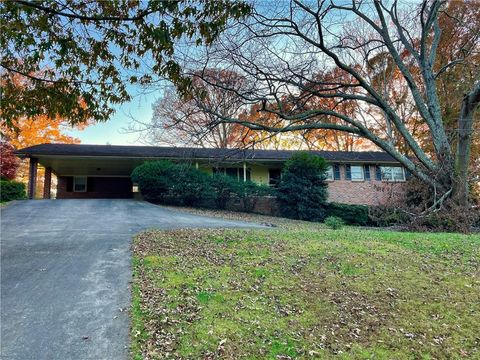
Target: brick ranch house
{"points": [[103, 171]]}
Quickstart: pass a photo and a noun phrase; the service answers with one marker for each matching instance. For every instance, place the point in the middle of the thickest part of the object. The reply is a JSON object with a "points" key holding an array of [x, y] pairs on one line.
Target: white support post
{"points": [[196, 165], [244, 171]]}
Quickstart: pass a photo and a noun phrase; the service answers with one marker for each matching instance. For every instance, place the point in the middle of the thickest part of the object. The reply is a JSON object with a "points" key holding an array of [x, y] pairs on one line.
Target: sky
{"points": [[115, 131]]}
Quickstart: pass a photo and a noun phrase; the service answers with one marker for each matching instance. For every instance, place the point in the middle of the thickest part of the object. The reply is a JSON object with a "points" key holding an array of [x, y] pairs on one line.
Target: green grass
{"points": [[305, 292]]}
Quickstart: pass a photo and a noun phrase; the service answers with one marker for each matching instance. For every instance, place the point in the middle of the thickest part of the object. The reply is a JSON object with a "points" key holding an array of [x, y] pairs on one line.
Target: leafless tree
{"points": [[178, 120], [281, 47]]}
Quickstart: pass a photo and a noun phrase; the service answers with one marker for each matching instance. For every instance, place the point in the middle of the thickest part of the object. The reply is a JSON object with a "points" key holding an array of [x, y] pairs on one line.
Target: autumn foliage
{"points": [[9, 162]]}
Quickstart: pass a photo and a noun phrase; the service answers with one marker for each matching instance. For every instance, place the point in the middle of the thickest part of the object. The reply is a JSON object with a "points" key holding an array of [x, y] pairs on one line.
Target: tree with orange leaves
{"points": [[37, 130]]}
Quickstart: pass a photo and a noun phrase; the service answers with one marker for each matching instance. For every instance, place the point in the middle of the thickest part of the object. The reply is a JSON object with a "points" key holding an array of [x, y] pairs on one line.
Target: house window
{"points": [[79, 183], [329, 173], [236, 173], [274, 176], [392, 173], [232, 172], [357, 173]]}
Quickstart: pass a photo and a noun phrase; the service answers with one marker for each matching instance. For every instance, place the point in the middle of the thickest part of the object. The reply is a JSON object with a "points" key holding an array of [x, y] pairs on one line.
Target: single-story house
{"points": [[103, 171]]}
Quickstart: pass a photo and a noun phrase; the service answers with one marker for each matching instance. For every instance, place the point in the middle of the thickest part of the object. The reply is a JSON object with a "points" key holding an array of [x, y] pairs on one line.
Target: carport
{"points": [[83, 177]]}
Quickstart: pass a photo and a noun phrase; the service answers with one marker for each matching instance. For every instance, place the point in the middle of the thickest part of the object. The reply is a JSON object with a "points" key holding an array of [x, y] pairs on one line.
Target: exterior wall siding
{"points": [[259, 174], [97, 188]]}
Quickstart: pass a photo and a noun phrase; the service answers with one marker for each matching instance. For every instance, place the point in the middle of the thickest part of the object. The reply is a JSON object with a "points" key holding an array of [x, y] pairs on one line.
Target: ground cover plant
{"points": [[304, 291]]}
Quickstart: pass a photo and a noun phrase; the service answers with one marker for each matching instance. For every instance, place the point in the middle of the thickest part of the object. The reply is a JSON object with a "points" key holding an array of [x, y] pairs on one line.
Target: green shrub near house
{"points": [[302, 192], [350, 214], [11, 190], [249, 192], [188, 186], [224, 189], [181, 184], [152, 178], [169, 183], [334, 222]]}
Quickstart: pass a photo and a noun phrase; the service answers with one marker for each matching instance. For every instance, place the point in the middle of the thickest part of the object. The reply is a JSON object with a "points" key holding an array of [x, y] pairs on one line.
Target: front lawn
{"points": [[305, 292]]}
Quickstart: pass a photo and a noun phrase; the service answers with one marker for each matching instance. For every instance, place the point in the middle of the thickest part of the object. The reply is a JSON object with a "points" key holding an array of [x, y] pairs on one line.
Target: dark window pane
{"points": [[348, 172], [232, 172], [367, 172], [274, 176], [336, 171], [69, 181]]}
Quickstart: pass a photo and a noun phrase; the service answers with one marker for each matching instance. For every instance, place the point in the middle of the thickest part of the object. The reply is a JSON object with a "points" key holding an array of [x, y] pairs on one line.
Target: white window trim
{"points": [[391, 172], [74, 183], [362, 172], [329, 173]]}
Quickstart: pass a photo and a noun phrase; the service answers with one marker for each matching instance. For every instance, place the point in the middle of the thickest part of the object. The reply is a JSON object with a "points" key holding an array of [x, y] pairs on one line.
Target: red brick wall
{"points": [[97, 188], [367, 192]]}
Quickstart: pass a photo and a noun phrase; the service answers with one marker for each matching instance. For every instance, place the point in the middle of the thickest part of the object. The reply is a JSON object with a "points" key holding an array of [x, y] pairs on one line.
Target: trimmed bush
{"points": [[11, 190], [248, 192], [302, 192], [334, 222], [153, 180], [168, 183], [224, 189], [350, 214], [180, 184], [189, 186]]}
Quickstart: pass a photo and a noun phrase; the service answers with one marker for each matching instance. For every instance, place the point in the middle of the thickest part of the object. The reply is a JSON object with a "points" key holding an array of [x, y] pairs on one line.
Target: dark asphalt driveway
{"points": [[65, 272]]}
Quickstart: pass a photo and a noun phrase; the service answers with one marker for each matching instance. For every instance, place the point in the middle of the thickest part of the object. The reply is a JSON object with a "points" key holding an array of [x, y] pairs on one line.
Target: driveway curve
{"points": [[65, 273]]}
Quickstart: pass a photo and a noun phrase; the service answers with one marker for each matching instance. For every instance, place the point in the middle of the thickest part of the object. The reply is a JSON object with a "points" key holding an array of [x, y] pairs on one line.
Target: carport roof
{"points": [[154, 152]]}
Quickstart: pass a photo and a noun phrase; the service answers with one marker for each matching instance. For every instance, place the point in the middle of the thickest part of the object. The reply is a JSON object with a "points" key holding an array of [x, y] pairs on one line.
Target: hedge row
{"points": [[164, 182], [11, 190], [350, 214], [301, 194]]}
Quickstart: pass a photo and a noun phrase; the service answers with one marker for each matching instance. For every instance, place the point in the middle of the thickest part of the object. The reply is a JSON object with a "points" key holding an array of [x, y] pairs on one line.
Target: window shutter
{"points": [[69, 180], [408, 174], [348, 172], [90, 182], [378, 173], [336, 172], [366, 171]]}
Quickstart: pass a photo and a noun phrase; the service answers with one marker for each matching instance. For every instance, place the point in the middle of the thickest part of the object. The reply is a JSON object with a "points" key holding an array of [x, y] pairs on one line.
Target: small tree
{"points": [[302, 193], [9, 162]]}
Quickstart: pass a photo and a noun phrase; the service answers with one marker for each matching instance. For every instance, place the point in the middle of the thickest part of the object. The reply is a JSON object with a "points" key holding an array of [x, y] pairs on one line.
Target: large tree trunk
{"points": [[465, 130]]}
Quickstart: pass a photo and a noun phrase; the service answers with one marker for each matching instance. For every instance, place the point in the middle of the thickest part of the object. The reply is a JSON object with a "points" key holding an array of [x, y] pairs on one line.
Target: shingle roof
{"points": [[195, 153]]}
